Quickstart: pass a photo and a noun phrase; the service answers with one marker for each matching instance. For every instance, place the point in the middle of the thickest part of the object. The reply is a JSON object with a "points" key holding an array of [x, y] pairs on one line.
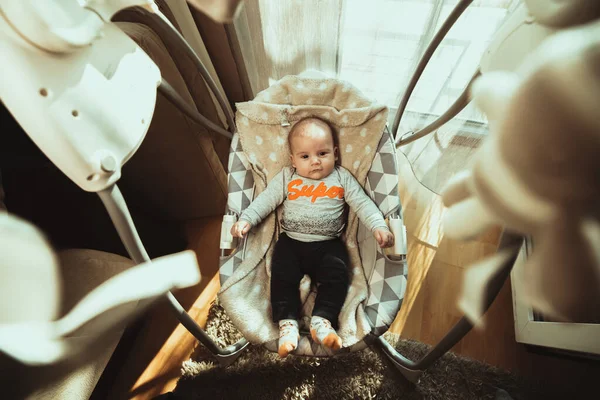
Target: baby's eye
{"points": [[323, 153], [304, 156]]}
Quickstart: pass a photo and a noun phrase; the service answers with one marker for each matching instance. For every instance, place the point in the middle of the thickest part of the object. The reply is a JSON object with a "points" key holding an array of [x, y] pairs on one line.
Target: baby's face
{"points": [[313, 152]]}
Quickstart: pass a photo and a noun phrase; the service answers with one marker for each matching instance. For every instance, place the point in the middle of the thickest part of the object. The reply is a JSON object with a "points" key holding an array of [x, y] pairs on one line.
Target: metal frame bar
{"points": [[459, 104], [119, 214], [173, 33], [412, 370], [433, 45]]}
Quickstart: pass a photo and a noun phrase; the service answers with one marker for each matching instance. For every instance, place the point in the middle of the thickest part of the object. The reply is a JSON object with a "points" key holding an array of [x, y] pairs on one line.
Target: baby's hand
{"points": [[240, 228], [384, 237]]}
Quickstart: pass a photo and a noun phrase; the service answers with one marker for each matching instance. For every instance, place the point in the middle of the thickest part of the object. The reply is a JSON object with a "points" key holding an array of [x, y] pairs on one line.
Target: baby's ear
{"points": [[292, 161], [335, 152]]}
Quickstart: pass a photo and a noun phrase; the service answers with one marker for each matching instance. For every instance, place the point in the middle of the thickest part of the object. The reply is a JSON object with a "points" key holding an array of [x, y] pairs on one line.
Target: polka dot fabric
{"points": [[358, 122]]}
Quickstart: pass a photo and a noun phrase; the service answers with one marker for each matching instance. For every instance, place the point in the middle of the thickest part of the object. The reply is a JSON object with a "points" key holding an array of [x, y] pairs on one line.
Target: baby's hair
{"points": [[307, 120]]}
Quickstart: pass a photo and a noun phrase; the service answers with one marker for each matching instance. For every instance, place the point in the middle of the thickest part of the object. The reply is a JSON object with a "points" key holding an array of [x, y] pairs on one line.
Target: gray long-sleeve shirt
{"points": [[314, 210]]}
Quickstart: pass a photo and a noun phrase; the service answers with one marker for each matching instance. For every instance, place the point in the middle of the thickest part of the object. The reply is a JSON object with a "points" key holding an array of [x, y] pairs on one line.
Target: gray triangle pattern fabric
{"points": [[234, 202], [378, 324], [388, 294], [389, 273], [238, 260], [233, 186], [236, 163], [245, 202], [228, 265], [385, 295], [376, 166], [374, 178], [239, 178], [383, 177], [390, 308], [388, 161], [379, 198], [249, 180], [398, 284], [225, 269], [372, 314], [376, 290], [388, 184], [382, 142], [380, 266], [237, 144]]}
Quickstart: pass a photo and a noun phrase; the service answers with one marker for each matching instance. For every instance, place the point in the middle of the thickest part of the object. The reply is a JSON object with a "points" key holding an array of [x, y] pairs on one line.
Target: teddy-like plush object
{"points": [[538, 174]]}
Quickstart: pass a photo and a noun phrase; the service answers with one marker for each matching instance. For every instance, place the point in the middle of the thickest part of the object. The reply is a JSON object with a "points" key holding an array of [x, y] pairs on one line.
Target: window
{"points": [[374, 45]]}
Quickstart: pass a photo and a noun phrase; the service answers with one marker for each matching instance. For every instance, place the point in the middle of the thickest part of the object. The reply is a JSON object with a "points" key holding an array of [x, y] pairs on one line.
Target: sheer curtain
{"points": [[376, 46], [286, 37]]}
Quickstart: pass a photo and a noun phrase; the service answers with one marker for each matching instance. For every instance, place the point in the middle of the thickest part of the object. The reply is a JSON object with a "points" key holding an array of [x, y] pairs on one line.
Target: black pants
{"points": [[327, 265]]}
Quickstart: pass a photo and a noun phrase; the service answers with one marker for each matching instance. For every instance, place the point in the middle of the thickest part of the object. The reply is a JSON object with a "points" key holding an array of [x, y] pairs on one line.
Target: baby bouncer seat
{"points": [[259, 150]]}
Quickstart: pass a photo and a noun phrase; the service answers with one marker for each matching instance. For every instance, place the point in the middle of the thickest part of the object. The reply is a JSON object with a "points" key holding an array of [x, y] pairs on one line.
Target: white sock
{"points": [[322, 332], [288, 336]]}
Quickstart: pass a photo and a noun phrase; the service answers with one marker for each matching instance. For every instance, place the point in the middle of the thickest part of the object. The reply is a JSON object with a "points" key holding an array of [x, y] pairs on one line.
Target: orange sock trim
{"points": [[332, 341], [285, 349]]}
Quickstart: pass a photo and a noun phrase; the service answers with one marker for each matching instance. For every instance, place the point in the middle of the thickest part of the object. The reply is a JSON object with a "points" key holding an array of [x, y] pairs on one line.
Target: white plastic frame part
{"points": [[89, 108], [63, 25], [56, 26], [228, 242], [107, 8], [397, 227], [111, 304]]}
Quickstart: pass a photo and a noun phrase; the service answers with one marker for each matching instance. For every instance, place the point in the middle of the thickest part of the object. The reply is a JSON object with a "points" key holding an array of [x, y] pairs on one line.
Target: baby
{"points": [[314, 193]]}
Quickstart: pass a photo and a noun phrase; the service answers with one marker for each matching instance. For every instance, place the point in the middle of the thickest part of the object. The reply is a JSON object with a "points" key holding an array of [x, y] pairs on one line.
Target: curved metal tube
{"points": [[119, 214], [461, 102], [437, 39], [171, 94], [173, 33], [412, 370]]}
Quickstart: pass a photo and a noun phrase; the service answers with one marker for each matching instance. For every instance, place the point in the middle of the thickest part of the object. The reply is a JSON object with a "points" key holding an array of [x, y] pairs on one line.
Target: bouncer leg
{"points": [[412, 370], [119, 213]]}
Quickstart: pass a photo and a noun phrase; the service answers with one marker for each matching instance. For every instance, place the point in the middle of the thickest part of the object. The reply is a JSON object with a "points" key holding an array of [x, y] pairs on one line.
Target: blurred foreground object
{"points": [[223, 11], [538, 173], [80, 88], [35, 338]]}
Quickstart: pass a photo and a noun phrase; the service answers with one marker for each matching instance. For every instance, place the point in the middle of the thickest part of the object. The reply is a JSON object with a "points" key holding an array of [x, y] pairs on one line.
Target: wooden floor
{"points": [[429, 310]]}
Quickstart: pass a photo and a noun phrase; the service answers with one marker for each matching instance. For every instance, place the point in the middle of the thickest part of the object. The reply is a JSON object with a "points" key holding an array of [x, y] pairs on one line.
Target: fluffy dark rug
{"points": [[367, 374]]}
